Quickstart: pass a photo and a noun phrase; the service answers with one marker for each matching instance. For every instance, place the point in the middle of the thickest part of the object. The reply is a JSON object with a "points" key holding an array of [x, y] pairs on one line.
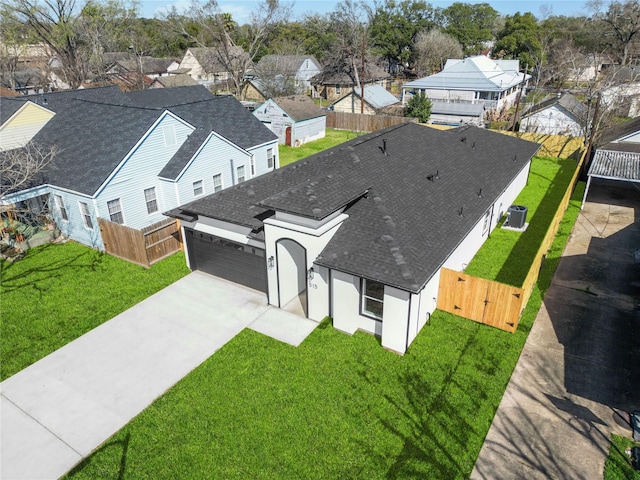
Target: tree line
{"points": [[406, 37]]}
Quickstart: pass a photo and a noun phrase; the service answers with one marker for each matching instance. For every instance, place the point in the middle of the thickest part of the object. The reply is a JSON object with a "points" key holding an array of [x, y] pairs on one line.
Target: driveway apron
{"points": [[58, 410], [578, 375]]}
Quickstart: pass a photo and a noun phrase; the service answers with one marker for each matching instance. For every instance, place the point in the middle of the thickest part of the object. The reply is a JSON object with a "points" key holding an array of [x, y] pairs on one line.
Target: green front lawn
{"points": [[59, 292], [333, 137], [335, 407]]}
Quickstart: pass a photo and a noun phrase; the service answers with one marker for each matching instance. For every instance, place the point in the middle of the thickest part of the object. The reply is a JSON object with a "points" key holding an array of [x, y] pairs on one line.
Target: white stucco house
{"points": [[295, 119], [361, 231], [563, 114], [471, 82]]}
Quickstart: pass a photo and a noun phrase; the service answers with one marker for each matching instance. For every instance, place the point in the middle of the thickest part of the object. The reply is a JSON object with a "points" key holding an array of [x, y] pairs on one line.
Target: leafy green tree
{"points": [[520, 39], [471, 24], [394, 26], [418, 106]]}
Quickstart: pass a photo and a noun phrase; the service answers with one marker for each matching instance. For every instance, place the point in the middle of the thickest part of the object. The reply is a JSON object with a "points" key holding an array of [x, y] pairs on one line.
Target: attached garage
{"points": [[223, 258]]}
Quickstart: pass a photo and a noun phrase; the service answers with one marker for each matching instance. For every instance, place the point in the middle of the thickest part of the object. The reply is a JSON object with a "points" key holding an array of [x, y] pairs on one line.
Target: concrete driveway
{"points": [[58, 410], [578, 376]]}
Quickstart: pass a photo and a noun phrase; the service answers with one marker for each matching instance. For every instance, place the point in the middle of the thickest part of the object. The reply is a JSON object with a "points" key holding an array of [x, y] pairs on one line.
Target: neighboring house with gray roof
{"points": [[361, 231], [128, 159], [617, 156], [295, 119], [170, 81], [563, 114], [23, 116], [478, 80], [376, 97], [206, 66]]}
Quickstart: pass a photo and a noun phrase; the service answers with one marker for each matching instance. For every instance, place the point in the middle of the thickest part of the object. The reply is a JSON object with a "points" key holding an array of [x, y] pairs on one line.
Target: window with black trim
{"points": [[372, 293]]}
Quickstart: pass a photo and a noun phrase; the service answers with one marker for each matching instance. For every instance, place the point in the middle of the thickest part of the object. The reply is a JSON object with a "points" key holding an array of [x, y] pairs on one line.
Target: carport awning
{"points": [[614, 165]]}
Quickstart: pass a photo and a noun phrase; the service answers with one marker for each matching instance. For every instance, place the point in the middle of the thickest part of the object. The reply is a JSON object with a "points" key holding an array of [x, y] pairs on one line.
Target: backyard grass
{"points": [[618, 465], [335, 407], [333, 137], [507, 255], [59, 292]]}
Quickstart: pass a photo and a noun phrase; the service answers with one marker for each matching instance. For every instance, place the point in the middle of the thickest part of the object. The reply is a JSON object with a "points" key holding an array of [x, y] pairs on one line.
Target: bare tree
{"points": [[20, 167], [432, 49], [236, 49]]}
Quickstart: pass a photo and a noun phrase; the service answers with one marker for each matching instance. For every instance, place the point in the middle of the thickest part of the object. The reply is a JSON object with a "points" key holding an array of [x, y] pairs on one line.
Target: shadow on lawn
{"points": [[516, 267], [14, 277], [435, 421], [124, 444]]}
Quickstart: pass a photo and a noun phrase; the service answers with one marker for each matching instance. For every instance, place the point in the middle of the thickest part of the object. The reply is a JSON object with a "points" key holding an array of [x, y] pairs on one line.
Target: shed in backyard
{"points": [[295, 119]]}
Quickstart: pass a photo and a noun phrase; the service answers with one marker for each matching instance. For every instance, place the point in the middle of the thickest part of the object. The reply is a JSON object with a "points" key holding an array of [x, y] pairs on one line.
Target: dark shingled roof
{"points": [[299, 107], [55, 101], [618, 131], [110, 131], [567, 101], [408, 208]]}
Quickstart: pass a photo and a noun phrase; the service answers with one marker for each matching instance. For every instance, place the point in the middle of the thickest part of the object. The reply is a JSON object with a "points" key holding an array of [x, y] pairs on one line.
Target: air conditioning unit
{"points": [[517, 214]]}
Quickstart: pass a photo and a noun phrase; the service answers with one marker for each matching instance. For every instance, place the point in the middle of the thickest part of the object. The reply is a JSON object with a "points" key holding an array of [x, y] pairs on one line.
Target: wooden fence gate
{"points": [[144, 247], [480, 300]]}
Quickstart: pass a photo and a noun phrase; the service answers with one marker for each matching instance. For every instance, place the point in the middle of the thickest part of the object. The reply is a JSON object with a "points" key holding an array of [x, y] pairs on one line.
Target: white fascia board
{"points": [[316, 232], [202, 146], [116, 170], [272, 142], [224, 233], [25, 105]]}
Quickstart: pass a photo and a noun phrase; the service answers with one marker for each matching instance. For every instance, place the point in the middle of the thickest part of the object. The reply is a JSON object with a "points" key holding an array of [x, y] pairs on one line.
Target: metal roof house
{"points": [[618, 157], [295, 119], [472, 81], [128, 158], [361, 231], [376, 97]]}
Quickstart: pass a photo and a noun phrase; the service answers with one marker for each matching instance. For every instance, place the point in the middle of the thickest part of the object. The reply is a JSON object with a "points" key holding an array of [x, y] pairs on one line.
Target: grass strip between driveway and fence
{"points": [[57, 293], [338, 406], [619, 465]]}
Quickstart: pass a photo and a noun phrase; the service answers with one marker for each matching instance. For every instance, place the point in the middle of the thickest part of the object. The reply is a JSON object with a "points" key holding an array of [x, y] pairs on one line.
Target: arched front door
{"points": [[292, 276]]}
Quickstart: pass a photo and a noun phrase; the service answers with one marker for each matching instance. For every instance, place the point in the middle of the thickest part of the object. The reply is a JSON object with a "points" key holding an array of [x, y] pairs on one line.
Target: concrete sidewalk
{"points": [[57, 411], [578, 375]]}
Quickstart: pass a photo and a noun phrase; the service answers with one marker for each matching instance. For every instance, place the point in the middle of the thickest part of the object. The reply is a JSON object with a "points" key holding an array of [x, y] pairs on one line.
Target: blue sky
{"points": [[241, 9]]}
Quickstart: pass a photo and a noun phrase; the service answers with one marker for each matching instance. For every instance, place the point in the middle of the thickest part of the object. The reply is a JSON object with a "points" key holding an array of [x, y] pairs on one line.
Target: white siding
{"points": [[308, 130], [554, 120]]}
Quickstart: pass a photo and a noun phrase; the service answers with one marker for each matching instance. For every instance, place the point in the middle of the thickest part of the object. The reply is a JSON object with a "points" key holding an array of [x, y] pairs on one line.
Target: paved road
{"points": [[579, 373], [58, 410]]}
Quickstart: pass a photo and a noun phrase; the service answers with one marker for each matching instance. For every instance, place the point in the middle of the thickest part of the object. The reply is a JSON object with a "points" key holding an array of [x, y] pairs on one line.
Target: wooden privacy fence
{"points": [[480, 300], [493, 303], [357, 122], [144, 247]]}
